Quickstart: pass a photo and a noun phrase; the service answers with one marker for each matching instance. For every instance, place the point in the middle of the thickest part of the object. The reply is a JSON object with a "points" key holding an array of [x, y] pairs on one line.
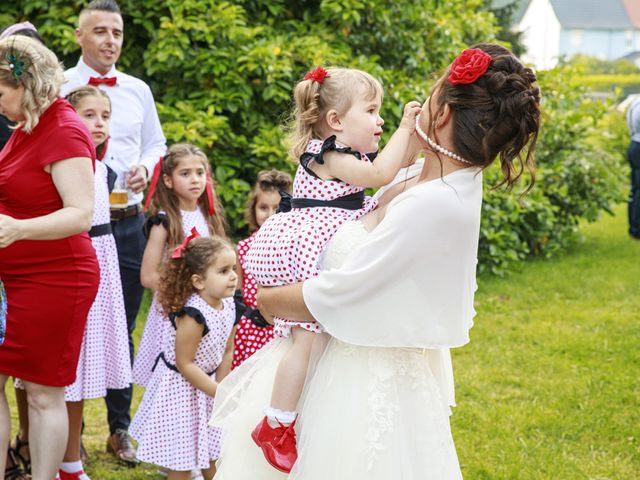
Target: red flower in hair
{"points": [[318, 74], [469, 66]]}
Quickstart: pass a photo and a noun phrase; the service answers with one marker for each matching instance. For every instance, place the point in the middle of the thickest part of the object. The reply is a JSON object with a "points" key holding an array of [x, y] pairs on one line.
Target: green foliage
{"points": [[222, 73], [597, 66], [619, 85]]}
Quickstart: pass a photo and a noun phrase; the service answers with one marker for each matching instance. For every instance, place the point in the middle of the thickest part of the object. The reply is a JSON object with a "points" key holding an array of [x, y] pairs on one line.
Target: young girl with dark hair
{"points": [[262, 203], [181, 197], [196, 288]]}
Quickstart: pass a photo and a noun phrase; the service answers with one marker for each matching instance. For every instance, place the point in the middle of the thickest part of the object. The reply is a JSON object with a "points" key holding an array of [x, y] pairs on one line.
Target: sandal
{"points": [[17, 447], [12, 470]]}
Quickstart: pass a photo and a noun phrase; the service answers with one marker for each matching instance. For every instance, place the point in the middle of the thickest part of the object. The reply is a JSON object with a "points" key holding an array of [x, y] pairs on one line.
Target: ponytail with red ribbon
{"points": [[157, 170], [209, 191], [179, 250]]}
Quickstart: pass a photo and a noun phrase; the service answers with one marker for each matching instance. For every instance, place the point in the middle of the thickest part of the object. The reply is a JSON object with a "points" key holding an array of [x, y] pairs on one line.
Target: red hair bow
{"points": [[469, 66], [318, 74], [179, 250]]}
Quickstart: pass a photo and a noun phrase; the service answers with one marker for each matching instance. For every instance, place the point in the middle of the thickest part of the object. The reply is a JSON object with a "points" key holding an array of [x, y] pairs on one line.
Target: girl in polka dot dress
{"points": [[336, 121], [196, 286], [263, 202], [104, 356], [181, 197]]}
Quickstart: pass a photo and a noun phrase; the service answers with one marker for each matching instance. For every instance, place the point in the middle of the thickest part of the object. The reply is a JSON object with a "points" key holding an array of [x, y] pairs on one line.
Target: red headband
{"points": [[318, 74], [179, 250], [154, 182], [469, 66]]}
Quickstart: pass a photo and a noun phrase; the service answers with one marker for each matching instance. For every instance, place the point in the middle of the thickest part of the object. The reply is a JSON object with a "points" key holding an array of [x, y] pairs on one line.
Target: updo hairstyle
{"points": [[498, 115]]}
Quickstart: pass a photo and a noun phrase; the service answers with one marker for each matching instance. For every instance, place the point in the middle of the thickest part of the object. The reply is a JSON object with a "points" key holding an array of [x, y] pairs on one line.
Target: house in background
{"points": [[553, 29]]}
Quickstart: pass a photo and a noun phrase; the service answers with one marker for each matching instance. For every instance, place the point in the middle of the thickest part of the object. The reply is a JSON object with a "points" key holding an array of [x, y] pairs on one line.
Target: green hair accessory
{"points": [[16, 65]]}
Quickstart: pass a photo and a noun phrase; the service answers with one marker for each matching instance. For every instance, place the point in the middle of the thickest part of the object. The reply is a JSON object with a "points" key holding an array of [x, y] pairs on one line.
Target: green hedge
{"points": [[223, 71], [620, 85]]}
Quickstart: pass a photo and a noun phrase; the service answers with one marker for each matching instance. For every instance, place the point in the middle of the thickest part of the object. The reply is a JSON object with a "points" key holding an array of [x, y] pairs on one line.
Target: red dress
{"points": [[249, 338], [50, 284]]}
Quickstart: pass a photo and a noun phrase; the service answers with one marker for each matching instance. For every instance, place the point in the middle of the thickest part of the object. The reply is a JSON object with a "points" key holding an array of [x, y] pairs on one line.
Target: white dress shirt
{"points": [[136, 136]]}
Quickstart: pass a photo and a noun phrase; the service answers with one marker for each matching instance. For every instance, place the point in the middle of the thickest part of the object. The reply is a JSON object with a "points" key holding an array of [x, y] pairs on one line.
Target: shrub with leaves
{"points": [[223, 73]]}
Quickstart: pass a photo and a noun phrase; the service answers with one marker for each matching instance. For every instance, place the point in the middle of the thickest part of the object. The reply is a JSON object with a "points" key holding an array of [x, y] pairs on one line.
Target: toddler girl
{"points": [[182, 197], [196, 287], [336, 123], [263, 202]]}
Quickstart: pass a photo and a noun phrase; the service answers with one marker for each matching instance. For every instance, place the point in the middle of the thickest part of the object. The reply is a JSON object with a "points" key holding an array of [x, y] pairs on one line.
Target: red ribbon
{"points": [[209, 190], [154, 182], [108, 81], [179, 250]]}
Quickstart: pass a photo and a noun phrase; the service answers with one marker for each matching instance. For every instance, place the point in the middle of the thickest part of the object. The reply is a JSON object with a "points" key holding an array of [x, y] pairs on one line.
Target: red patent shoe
{"points": [[278, 444]]}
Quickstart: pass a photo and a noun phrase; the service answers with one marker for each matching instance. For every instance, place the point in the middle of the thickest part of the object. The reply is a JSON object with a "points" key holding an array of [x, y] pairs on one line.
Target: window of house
{"points": [[576, 38]]}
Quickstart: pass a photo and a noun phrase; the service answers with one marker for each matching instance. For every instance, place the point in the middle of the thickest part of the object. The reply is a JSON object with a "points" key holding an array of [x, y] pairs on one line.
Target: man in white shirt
{"points": [[135, 146], [633, 153]]}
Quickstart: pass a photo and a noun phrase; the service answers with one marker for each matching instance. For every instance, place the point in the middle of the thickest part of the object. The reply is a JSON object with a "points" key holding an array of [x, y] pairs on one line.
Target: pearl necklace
{"points": [[436, 147]]}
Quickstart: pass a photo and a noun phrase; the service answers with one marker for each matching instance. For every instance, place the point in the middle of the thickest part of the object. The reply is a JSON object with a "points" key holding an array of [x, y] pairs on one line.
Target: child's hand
{"points": [[408, 120]]}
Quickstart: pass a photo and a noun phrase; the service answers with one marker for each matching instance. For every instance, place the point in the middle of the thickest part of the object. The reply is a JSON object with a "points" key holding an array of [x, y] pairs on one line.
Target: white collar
{"points": [[86, 71]]}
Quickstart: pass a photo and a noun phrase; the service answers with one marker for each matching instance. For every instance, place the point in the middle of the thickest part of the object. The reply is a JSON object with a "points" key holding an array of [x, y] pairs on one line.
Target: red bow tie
{"points": [[109, 81]]}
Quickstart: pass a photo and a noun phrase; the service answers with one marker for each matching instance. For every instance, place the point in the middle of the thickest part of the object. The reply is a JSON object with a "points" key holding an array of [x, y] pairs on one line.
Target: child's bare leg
{"points": [[209, 473], [174, 475], [74, 411], [292, 371]]}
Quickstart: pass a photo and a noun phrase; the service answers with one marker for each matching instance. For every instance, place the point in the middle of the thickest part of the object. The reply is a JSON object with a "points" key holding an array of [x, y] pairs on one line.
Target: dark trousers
{"points": [[634, 196], [130, 241]]}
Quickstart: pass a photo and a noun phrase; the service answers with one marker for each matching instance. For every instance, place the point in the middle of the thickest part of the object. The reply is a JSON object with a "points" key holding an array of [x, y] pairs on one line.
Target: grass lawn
{"points": [[548, 388]]}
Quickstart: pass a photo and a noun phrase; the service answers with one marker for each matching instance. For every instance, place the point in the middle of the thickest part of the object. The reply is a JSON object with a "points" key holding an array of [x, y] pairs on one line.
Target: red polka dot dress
{"points": [[287, 247], [249, 337], [171, 424], [157, 324]]}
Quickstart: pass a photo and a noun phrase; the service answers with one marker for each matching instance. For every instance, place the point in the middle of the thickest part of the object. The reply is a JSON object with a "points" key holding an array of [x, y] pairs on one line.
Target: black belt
{"points": [[353, 201], [122, 213], [100, 230], [171, 366]]}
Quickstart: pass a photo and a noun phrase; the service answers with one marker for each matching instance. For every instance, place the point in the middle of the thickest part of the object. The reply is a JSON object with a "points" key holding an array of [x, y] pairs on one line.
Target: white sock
{"points": [[72, 467], [279, 416]]}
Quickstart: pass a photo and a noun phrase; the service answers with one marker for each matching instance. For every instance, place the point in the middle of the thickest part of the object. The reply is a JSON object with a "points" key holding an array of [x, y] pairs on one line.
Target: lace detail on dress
{"points": [[391, 368]]}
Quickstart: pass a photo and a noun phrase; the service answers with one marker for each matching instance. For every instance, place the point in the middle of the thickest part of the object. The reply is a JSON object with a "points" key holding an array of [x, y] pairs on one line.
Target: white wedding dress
{"points": [[367, 413]]}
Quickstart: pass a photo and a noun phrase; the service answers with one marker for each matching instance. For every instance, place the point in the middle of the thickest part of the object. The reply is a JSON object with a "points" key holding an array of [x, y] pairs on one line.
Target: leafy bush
{"points": [[223, 72]]}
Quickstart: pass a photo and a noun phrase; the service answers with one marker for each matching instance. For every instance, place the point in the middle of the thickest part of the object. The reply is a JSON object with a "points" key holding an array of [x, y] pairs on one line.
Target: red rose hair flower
{"points": [[318, 74], [469, 66]]}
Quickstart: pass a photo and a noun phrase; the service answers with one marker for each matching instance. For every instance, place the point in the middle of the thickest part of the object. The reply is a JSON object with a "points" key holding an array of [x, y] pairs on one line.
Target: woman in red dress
{"points": [[47, 262]]}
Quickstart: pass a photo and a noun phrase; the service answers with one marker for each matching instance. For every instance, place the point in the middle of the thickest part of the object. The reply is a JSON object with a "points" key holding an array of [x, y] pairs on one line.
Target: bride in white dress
{"points": [[396, 294]]}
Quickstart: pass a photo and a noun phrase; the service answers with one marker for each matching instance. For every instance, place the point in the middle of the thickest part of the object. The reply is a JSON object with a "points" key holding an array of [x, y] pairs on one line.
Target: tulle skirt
{"points": [[366, 413]]}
